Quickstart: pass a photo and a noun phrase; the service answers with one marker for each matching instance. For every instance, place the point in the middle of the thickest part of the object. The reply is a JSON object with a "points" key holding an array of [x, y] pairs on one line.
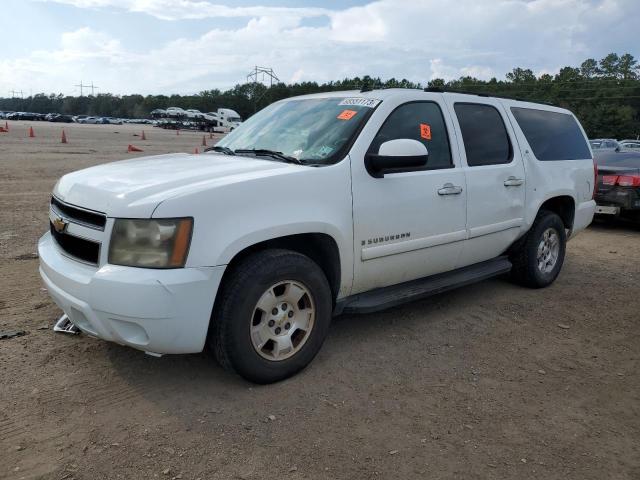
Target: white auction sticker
{"points": [[363, 102]]}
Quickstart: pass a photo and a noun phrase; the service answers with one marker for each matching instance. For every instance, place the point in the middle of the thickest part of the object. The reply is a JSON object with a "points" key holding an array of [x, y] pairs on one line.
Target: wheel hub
{"points": [[282, 320], [548, 250]]}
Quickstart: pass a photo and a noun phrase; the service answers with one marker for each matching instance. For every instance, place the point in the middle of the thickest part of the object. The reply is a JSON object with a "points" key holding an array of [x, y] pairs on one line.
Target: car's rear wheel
{"points": [[538, 258], [271, 315]]}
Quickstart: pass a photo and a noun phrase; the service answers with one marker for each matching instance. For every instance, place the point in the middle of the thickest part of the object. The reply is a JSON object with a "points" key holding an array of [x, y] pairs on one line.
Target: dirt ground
{"points": [[489, 381]]}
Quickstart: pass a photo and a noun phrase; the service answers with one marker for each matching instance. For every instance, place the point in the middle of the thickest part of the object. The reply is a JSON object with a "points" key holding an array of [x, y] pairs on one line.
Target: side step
{"points": [[386, 297]]}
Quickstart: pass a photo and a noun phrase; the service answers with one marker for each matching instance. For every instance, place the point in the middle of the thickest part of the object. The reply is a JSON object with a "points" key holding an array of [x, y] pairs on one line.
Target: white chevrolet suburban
{"points": [[342, 202]]}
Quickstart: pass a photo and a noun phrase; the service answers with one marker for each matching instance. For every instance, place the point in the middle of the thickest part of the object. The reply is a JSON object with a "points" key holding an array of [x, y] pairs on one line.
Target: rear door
{"points": [[495, 177]]}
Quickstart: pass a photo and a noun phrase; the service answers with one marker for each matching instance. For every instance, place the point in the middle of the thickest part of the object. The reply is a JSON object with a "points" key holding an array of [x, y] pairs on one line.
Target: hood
{"points": [[134, 188]]}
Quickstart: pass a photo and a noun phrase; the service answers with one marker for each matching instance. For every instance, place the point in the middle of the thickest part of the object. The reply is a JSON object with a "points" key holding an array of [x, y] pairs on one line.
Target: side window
{"points": [[422, 121], [485, 137]]}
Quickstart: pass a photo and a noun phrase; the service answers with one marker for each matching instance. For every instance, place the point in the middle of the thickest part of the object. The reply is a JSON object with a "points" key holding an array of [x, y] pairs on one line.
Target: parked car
{"points": [[630, 144], [109, 121], [318, 205], [194, 114], [5, 114], [604, 144], [59, 118], [158, 113], [140, 121], [23, 116], [175, 112], [618, 188], [88, 120]]}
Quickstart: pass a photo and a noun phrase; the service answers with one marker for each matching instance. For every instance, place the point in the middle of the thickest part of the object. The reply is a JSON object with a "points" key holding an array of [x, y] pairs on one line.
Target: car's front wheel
{"points": [[271, 315]]}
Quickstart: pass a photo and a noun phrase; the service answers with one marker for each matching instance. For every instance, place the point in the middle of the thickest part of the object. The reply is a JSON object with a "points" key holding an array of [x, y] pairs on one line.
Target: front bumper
{"points": [[158, 311]]}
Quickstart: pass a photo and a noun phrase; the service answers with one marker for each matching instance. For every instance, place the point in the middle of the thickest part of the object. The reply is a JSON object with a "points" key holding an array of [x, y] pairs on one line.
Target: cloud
{"points": [[192, 9], [417, 39]]}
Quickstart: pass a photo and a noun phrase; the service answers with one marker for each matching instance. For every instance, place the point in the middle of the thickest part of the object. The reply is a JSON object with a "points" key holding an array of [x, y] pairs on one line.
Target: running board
{"points": [[386, 297]]}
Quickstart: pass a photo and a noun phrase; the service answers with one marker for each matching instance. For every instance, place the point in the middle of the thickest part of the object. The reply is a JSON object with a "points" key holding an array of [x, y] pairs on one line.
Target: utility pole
{"points": [[13, 93], [92, 88]]}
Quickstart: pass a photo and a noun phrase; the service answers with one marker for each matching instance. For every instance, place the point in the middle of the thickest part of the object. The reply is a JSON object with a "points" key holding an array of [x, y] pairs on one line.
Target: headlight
{"points": [[155, 243]]}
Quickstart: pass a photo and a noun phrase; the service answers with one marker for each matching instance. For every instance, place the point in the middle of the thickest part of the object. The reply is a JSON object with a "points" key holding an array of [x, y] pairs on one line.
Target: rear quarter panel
{"points": [[555, 178]]}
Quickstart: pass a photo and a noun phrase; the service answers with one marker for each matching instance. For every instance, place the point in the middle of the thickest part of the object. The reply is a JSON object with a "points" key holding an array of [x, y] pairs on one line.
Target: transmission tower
{"points": [[260, 73], [82, 87]]}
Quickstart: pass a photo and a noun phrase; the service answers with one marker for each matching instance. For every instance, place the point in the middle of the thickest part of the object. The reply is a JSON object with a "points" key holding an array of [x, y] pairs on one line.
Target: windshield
{"points": [[313, 130]]}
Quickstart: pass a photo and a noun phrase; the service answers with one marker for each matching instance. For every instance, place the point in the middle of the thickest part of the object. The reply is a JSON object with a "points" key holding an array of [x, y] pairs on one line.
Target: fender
{"points": [[280, 231]]}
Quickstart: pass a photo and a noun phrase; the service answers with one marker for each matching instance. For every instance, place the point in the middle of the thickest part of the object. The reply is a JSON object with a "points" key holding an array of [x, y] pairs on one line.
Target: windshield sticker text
{"points": [[362, 102]]}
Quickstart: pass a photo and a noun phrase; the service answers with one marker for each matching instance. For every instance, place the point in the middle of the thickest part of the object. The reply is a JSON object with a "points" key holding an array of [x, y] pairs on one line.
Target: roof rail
{"points": [[484, 94]]}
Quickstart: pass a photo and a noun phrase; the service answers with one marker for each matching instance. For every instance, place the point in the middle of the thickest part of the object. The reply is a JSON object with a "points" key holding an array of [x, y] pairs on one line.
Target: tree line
{"points": [[604, 94]]}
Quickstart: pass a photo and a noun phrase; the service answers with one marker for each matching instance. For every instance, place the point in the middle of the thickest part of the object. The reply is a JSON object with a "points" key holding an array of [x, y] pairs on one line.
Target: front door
{"points": [[411, 224]]}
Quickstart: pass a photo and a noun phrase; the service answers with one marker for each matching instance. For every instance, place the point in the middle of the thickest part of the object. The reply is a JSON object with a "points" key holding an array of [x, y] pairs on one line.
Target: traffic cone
{"points": [[210, 134], [6, 126], [31, 133], [178, 131], [132, 148], [143, 136], [204, 140], [196, 151], [63, 139]]}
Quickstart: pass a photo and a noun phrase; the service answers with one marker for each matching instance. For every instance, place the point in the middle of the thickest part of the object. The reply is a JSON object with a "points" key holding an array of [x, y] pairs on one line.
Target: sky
{"points": [[187, 46]]}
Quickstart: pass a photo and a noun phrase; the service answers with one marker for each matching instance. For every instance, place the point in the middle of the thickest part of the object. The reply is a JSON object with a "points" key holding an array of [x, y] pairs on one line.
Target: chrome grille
{"points": [[79, 248], [79, 232], [79, 215]]}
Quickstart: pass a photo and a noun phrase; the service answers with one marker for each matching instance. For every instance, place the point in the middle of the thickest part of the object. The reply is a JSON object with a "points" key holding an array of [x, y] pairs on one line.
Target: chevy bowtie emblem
{"points": [[59, 224]]}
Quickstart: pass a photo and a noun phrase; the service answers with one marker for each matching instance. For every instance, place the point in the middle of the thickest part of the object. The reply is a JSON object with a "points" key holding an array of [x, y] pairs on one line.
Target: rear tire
{"points": [[538, 258], [271, 316]]}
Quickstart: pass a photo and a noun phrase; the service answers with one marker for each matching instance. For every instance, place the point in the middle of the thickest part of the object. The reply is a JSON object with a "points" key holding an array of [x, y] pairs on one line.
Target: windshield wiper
{"points": [[263, 152], [216, 148]]}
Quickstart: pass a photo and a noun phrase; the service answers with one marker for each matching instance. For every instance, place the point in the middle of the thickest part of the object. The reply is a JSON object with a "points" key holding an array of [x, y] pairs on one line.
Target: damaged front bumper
{"points": [[157, 311]]}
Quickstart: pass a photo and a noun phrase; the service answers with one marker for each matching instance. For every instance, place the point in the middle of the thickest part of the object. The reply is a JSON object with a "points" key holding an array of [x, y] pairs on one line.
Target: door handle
{"points": [[449, 189], [513, 182]]}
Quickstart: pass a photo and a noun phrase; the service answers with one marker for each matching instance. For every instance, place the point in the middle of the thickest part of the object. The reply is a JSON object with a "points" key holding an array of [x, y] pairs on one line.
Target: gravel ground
{"points": [[488, 381]]}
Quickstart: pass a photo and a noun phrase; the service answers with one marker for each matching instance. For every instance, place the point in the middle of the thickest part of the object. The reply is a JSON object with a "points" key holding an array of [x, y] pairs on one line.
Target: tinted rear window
{"points": [[552, 135], [484, 135]]}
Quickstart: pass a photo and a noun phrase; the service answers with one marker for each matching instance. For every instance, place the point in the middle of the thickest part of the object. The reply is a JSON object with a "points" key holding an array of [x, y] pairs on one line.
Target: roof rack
{"points": [[483, 94]]}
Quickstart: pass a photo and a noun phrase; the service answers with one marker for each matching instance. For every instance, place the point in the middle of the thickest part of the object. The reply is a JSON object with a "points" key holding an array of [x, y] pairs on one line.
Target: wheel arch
{"points": [[562, 205], [322, 248]]}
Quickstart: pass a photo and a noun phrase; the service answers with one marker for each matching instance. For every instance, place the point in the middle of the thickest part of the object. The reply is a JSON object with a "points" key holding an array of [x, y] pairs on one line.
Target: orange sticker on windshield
{"points": [[346, 115], [425, 131]]}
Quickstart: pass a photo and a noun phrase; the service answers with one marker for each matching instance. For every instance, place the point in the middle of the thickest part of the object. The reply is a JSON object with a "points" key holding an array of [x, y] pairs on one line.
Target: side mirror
{"points": [[395, 156]]}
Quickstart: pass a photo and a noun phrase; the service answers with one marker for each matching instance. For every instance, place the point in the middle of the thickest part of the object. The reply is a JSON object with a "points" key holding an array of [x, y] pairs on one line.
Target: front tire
{"points": [[538, 258], [271, 316]]}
